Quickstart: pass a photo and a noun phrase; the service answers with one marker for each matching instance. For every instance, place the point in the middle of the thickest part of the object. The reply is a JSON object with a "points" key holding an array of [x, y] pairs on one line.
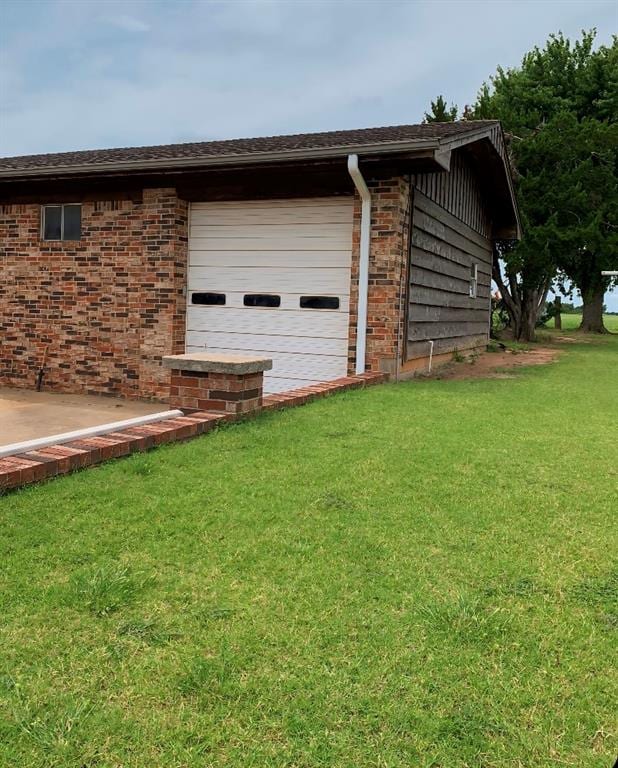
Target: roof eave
{"points": [[245, 159]]}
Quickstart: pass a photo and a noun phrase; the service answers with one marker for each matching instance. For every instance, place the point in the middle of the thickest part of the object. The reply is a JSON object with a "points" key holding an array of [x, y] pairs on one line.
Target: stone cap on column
{"points": [[210, 362]]}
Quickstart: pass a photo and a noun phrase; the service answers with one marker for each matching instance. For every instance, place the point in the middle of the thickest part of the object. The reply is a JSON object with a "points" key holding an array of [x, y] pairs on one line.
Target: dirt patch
{"points": [[496, 365], [572, 340]]}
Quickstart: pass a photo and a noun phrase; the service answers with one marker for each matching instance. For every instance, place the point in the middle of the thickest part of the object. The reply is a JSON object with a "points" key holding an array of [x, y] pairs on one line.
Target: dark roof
{"points": [[241, 148]]}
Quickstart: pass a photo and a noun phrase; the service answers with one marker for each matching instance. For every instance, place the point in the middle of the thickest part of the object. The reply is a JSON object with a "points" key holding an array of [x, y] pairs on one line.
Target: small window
{"points": [[209, 299], [261, 300], [474, 270], [319, 302], [61, 222]]}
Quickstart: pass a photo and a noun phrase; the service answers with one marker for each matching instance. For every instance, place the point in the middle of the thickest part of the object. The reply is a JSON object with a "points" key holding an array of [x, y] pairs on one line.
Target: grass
{"points": [[420, 574], [572, 322]]}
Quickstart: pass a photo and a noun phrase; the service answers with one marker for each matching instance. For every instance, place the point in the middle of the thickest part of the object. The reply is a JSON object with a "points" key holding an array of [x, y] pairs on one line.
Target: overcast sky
{"points": [[84, 74], [80, 74]]}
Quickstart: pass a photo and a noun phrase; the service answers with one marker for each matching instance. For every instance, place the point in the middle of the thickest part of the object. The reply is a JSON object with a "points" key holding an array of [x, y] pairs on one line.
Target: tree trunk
{"points": [[592, 317], [523, 304], [530, 315], [557, 315]]}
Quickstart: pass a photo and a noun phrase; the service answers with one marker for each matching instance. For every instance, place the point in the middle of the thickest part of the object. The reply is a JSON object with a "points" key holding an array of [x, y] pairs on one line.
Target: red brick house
{"points": [[111, 259]]}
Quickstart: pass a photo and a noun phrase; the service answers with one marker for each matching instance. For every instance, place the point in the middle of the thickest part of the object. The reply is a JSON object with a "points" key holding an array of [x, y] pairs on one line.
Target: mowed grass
{"points": [[572, 322], [419, 574]]}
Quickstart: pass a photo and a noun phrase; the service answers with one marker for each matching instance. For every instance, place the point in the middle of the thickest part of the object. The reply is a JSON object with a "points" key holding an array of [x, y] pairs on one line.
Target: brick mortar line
{"points": [[36, 465]]}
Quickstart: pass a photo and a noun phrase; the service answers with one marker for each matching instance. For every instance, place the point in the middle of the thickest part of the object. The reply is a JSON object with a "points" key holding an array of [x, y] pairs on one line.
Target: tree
{"points": [[524, 276], [574, 167], [440, 113], [559, 110]]}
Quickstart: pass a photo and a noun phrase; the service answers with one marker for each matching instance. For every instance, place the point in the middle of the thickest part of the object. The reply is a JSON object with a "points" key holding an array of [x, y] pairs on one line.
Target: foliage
{"points": [[568, 308], [376, 579], [499, 315], [560, 109], [547, 314], [574, 178], [440, 112]]}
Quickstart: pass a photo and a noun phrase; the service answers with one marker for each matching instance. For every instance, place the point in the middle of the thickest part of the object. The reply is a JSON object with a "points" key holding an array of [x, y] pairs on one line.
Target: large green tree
{"points": [[572, 191], [559, 110]]}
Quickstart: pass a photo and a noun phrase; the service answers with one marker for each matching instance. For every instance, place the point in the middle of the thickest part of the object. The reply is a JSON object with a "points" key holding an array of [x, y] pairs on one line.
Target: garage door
{"points": [[273, 277]]}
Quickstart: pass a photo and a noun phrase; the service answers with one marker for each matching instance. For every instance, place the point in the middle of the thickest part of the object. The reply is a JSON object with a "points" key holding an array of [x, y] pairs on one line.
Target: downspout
{"points": [[363, 265]]}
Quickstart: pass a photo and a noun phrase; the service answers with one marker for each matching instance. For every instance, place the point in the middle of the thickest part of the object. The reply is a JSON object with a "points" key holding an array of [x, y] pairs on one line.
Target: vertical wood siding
{"points": [[458, 192], [450, 232]]}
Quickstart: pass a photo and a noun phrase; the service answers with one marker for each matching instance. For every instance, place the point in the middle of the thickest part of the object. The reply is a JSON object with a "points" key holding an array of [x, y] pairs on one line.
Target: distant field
{"points": [[571, 322]]}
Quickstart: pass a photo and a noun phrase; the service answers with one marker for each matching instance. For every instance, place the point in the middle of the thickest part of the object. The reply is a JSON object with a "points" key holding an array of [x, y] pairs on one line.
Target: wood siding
{"points": [[450, 232], [458, 192]]}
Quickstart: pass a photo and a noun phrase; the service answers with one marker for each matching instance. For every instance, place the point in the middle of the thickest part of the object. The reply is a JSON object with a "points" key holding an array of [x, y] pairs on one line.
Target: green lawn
{"points": [[572, 322], [415, 575]]}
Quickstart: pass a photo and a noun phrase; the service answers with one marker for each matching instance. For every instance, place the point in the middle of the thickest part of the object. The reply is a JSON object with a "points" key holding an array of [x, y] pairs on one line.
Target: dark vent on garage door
{"points": [[210, 299], [261, 300], [319, 302]]}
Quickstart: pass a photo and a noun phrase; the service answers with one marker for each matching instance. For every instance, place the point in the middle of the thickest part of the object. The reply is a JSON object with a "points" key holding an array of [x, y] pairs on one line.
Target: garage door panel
{"points": [[289, 248], [279, 230], [273, 243], [292, 322], [326, 215], [333, 280], [262, 343], [274, 202], [290, 364], [288, 259], [276, 208]]}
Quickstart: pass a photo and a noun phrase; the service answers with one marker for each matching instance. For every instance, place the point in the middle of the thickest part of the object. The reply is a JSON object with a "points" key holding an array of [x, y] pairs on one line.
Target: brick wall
{"points": [[388, 273], [101, 311], [104, 310]]}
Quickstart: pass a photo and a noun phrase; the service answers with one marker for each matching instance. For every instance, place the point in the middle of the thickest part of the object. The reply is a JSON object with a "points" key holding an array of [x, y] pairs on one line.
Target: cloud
{"points": [[222, 69], [128, 23]]}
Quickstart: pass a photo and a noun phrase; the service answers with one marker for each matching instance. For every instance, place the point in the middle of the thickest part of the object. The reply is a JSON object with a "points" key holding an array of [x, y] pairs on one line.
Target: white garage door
{"points": [[273, 277]]}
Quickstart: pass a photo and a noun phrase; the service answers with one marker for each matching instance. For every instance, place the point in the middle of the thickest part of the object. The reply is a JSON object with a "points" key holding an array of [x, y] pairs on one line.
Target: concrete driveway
{"points": [[26, 415]]}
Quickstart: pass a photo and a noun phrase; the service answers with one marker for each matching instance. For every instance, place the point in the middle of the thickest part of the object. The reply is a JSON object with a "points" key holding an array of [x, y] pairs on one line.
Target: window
{"points": [[319, 302], [61, 222], [210, 299], [261, 300], [474, 269]]}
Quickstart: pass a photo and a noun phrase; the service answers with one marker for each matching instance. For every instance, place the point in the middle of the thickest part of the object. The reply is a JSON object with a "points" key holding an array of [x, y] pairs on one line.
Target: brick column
{"points": [[388, 273], [223, 383]]}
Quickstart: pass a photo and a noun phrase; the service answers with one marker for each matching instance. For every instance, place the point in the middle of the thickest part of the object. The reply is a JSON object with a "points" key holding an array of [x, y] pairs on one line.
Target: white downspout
{"points": [[363, 265]]}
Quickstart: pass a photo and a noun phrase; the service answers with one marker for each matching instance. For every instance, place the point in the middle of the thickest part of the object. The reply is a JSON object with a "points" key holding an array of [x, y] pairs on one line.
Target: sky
{"points": [[82, 74]]}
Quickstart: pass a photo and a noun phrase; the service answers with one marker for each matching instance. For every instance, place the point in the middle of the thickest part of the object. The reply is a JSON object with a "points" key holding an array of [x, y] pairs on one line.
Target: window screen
{"points": [[211, 299], [261, 300], [62, 222], [319, 302]]}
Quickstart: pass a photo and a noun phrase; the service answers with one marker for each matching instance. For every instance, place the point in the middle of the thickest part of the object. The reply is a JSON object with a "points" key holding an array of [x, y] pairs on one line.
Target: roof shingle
{"points": [[241, 147]]}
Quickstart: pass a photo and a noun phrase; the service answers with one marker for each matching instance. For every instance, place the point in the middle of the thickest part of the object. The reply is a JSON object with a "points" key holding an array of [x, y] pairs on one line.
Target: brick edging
{"points": [[44, 463]]}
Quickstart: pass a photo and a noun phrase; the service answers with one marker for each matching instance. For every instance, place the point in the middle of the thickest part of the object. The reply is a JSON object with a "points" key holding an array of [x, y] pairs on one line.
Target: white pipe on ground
{"points": [[430, 355], [80, 434], [363, 265]]}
